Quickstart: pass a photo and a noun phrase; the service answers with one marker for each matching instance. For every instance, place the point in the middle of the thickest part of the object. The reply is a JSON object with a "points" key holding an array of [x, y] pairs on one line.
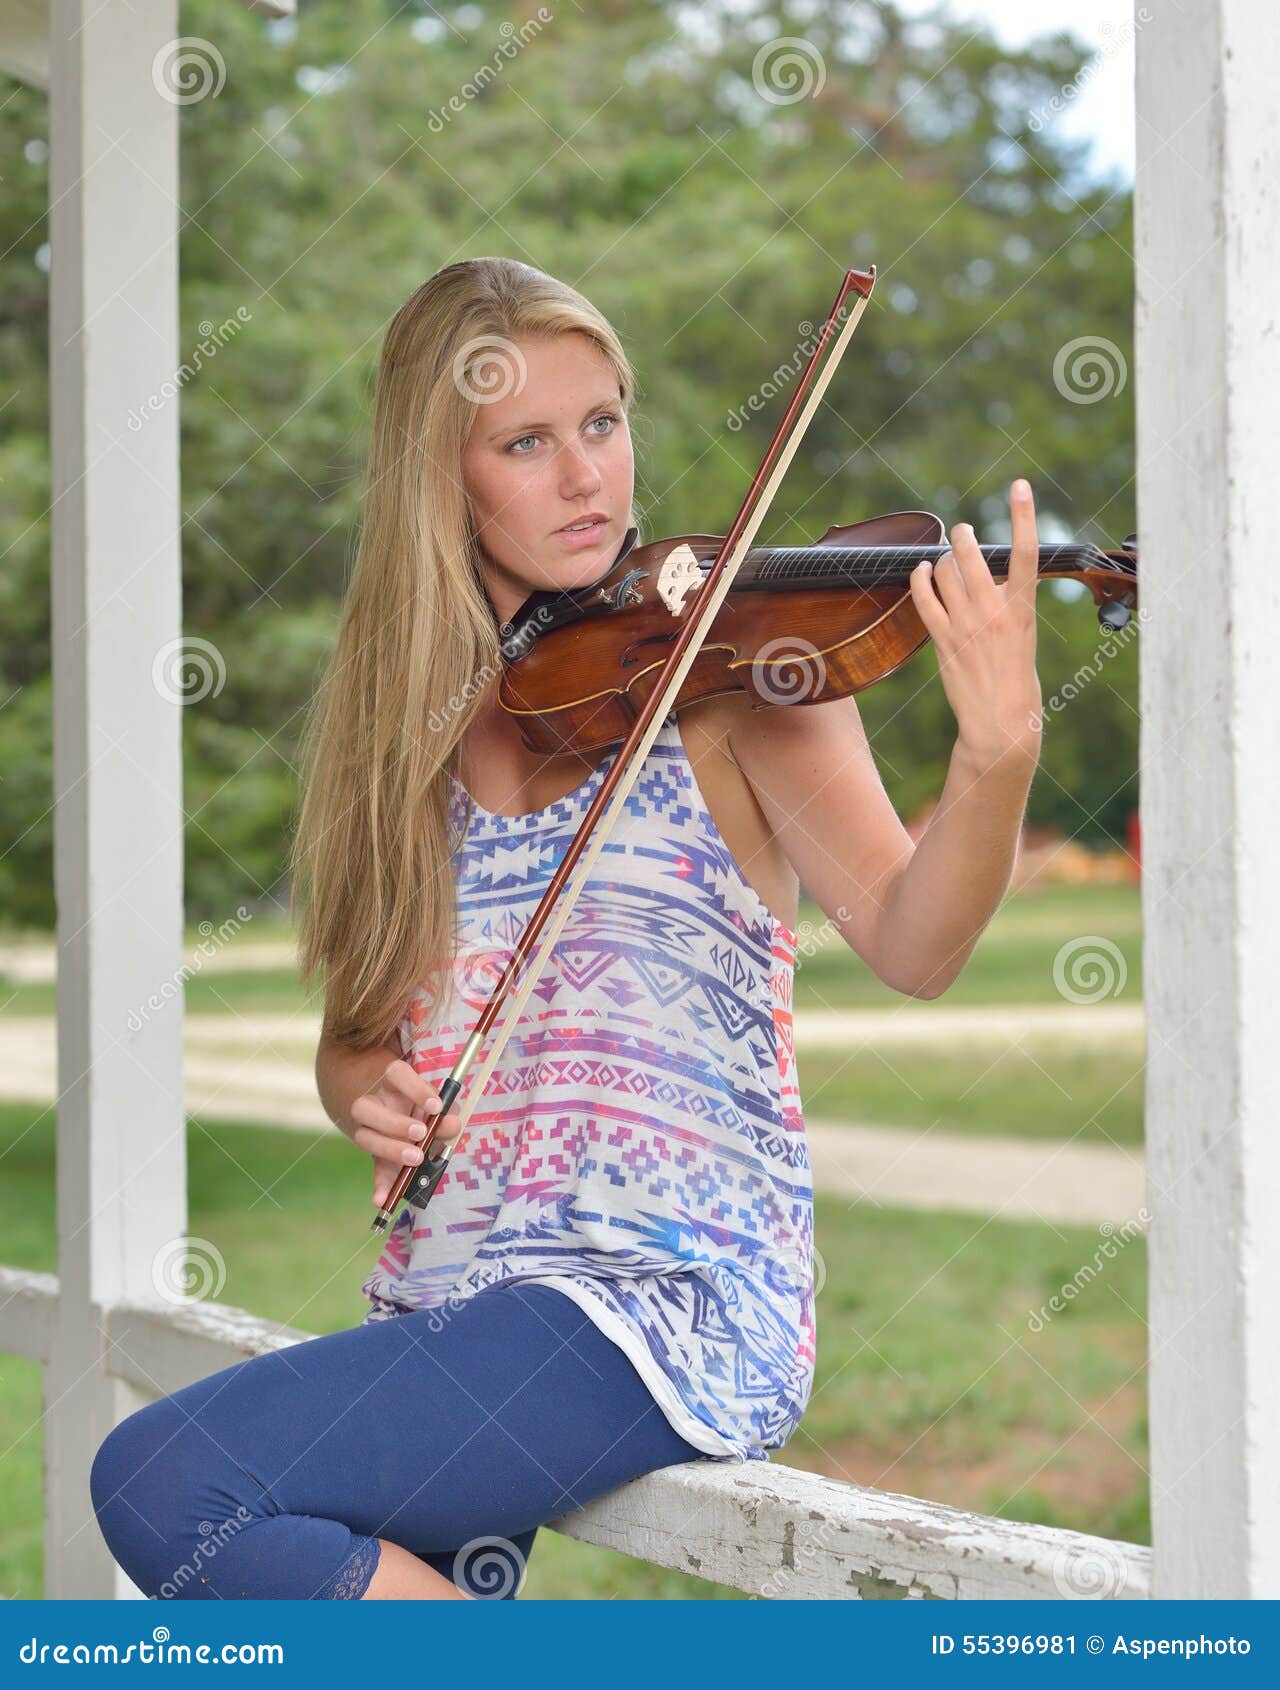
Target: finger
{"points": [[442, 1127], [422, 1098], [404, 1079], [950, 587], [386, 1149], [930, 608], [384, 1177], [1025, 548], [973, 567], [385, 1118], [369, 1111]]}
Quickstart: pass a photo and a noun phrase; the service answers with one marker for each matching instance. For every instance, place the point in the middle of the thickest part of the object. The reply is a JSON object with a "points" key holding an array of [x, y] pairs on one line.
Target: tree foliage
{"points": [[639, 149]]}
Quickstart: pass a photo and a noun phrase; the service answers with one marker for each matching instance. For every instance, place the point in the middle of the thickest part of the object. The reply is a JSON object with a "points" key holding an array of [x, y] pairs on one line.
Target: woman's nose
{"points": [[578, 473]]}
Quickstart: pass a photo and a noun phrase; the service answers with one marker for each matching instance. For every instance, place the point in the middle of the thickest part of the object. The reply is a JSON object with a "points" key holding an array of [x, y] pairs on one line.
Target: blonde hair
{"points": [[372, 889]]}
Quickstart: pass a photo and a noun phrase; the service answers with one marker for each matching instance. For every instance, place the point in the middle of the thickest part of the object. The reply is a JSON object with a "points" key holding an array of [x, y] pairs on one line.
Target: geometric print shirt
{"points": [[640, 1144]]}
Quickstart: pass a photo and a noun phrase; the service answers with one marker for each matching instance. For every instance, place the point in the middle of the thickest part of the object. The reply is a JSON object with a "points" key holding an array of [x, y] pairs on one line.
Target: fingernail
{"points": [[1021, 488], [418, 1131], [412, 1154]]}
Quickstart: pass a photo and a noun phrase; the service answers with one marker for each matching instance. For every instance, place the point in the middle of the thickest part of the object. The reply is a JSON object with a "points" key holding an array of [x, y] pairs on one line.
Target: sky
{"points": [[1103, 110]]}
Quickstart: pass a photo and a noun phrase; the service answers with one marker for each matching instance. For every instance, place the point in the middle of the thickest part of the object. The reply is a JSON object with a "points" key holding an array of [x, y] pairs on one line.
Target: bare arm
{"points": [[914, 913], [940, 901]]}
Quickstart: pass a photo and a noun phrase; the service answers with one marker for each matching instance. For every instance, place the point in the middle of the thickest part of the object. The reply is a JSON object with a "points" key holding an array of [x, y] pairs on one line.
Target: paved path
{"points": [[260, 1069], [1080, 1182]]}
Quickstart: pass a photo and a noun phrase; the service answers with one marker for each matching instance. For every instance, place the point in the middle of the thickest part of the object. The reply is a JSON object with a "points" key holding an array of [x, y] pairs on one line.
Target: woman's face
{"points": [[550, 452]]}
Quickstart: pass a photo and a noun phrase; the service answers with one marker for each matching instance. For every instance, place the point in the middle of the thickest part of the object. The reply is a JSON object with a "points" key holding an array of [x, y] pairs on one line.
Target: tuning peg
{"points": [[1114, 615]]}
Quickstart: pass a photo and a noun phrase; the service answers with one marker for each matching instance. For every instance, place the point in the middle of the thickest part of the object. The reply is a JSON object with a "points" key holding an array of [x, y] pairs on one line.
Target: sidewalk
{"points": [[260, 1069]]}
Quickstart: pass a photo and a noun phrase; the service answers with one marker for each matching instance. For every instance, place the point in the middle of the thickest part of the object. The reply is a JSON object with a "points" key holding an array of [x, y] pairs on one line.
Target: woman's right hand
{"points": [[390, 1123]]}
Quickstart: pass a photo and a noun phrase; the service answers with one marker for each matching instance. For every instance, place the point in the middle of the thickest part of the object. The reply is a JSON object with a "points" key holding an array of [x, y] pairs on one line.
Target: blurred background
{"points": [[705, 174]]}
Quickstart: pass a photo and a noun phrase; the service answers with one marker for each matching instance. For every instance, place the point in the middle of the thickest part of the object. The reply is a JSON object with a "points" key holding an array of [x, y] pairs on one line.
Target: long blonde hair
{"points": [[372, 891]]}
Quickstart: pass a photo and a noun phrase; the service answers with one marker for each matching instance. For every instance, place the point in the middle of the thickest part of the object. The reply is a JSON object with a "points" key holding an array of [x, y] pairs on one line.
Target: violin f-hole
{"points": [[632, 654]]}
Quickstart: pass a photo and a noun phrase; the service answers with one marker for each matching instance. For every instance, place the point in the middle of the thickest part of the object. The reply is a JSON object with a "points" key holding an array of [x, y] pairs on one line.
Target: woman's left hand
{"points": [[985, 634]]}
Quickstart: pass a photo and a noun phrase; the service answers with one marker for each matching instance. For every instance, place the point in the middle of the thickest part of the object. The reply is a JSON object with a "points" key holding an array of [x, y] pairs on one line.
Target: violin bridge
{"points": [[680, 572]]}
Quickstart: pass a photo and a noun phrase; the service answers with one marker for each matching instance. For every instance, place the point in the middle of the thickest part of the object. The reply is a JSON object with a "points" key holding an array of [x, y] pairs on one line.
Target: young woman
{"points": [[615, 1274]]}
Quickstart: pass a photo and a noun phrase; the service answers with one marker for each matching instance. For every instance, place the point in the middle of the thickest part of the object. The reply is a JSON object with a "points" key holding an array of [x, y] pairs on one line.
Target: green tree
{"points": [[657, 156]]}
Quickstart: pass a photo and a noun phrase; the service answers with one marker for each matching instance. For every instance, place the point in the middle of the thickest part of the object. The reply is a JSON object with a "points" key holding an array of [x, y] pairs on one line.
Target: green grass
{"points": [[249, 991], [1013, 962], [1042, 1091], [932, 1381], [929, 1380]]}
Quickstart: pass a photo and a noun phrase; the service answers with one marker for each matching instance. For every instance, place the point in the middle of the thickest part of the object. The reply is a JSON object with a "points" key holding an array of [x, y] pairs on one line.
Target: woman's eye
{"points": [[604, 417]]}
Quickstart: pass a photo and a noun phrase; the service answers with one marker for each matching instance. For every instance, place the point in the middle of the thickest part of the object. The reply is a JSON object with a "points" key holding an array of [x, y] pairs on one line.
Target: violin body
{"points": [[800, 625]]}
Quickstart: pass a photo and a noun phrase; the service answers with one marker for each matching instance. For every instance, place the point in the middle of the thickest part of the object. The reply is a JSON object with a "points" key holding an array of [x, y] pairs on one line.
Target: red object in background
{"points": [[1133, 838]]}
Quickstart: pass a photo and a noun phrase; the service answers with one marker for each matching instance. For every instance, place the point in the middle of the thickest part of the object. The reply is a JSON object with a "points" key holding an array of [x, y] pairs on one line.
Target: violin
{"points": [[799, 625]]}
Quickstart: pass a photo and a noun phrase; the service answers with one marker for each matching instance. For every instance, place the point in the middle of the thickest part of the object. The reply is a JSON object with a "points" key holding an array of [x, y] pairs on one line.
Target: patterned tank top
{"points": [[640, 1143]]}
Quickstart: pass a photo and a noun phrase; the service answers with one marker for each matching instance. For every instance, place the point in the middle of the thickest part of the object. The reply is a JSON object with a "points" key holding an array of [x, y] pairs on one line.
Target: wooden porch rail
{"points": [[772, 1531]]}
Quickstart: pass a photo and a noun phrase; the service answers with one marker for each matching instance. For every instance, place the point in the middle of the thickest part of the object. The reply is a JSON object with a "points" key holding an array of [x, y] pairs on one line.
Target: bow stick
{"points": [[419, 1181]]}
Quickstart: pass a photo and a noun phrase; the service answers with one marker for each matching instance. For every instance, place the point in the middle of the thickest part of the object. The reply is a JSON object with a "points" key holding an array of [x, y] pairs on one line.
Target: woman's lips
{"points": [[578, 538]]}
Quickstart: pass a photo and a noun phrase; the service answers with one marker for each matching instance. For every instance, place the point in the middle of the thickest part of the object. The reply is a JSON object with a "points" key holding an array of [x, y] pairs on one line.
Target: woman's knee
{"points": [[123, 1456], [155, 1503]]}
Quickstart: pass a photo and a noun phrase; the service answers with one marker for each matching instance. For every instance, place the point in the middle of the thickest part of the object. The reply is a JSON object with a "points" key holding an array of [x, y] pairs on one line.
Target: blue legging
{"points": [[453, 1432]]}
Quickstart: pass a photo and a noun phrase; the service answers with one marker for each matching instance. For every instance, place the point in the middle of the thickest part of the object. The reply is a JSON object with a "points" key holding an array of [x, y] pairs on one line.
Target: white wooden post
{"points": [[1208, 411], [117, 749]]}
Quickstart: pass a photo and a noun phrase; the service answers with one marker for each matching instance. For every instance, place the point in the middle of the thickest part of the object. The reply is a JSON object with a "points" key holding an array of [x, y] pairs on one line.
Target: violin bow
{"points": [[418, 1181]]}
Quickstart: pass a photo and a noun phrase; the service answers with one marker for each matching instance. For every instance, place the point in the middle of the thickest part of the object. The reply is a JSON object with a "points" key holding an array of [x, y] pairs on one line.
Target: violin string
{"points": [[890, 566]]}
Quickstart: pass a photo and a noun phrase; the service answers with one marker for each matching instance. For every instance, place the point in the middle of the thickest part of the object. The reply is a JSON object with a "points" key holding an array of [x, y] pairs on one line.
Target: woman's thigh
{"points": [[436, 1430]]}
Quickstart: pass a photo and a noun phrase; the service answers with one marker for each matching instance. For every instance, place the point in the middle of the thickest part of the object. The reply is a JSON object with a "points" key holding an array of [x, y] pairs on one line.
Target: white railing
{"points": [[760, 1527]]}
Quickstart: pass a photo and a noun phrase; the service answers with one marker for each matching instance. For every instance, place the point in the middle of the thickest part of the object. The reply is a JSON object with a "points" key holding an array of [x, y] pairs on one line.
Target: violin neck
{"points": [[890, 566]]}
